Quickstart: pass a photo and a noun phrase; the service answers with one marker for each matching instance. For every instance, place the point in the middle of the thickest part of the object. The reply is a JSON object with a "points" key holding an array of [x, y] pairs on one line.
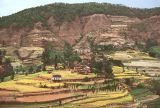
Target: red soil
{"points": [[43, 98]]}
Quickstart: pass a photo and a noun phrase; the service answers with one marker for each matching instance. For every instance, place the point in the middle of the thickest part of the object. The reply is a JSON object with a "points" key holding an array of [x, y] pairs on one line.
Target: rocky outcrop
{"points": [[30, 55]]}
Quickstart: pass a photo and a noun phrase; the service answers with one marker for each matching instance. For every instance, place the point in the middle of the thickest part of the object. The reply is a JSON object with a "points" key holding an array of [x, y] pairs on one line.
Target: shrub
{"points": [[154, 51], [86, 79]]}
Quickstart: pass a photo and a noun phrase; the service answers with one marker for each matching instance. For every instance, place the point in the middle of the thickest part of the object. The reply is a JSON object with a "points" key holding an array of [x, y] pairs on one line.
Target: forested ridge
{"points": [[67, 12]]}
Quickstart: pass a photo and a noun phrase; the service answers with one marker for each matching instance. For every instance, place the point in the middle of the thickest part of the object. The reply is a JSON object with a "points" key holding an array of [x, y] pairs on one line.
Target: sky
{"points": [[8, 7]]}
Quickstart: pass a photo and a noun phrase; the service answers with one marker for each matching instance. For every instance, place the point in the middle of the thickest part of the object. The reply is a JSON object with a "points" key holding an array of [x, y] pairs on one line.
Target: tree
{"points": [[2, 73], [92, 44], [154, 51], [9, 68], [68, 50], [2, 55], [51, 56], [102, 65], [46, 54], [93, 65], [107, 67], [150, 43], [69, 55], [6, 69], [30, 69], [156, 86]]}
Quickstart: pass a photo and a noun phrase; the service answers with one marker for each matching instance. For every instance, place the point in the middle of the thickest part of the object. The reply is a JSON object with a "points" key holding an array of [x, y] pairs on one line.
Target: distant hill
{"points": [[73, 23], [67, 12]]}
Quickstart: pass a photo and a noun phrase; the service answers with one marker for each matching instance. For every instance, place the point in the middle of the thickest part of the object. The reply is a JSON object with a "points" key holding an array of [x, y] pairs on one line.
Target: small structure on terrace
{"points": [[56, 78], [82, 69]]}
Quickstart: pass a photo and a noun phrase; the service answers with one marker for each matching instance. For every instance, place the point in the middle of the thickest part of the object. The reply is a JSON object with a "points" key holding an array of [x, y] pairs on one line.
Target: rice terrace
{"points": [[80, 55]]}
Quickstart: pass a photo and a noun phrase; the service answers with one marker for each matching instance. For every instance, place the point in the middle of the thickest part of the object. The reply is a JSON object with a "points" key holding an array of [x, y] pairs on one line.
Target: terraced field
{"points": [[102, 99], [119, 74], [69, 75], [97, 93], [131, 55], [24, 83], [33, 81]]}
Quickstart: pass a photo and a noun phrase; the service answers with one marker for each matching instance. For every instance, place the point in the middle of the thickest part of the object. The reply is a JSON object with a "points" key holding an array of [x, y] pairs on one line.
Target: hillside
{"points": [[57, 23]]}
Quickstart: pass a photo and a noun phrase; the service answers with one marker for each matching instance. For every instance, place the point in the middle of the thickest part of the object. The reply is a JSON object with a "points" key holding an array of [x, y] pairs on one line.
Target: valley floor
{"points": [[77, 90]]}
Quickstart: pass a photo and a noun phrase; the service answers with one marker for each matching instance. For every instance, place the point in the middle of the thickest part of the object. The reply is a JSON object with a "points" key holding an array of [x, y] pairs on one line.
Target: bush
{"points": [[154, 51], [86, 79], [156, 86]]}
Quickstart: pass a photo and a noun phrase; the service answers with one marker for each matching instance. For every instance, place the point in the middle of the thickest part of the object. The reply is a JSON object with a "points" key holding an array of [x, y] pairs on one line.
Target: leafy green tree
{"points": [[94, 66], [30, 69], [51, 56], [9, 68], [107, 67], [6, 67], [92, 44], [102, 65], [150, 43], [69, 55], [68, 51], [154, 51]]}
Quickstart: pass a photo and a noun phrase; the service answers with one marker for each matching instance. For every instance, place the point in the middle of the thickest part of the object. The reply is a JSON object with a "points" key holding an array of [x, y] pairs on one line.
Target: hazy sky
{"points": [[8, 7]]}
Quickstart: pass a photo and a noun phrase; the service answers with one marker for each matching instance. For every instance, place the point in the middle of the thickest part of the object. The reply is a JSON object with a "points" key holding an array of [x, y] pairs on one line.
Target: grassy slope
{"points": [[140, 93]]}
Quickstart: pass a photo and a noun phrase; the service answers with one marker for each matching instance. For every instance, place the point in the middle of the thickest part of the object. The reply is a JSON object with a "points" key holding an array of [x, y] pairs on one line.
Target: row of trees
{"points": [[67, 12], [28, 69]]}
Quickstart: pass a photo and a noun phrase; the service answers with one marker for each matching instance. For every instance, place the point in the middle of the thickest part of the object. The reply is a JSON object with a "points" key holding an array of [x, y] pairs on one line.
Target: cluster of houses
{"points": [[82, 69]]}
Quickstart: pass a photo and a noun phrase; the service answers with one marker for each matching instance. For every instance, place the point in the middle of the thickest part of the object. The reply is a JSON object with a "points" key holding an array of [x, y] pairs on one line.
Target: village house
{"points": [[56, 78]]}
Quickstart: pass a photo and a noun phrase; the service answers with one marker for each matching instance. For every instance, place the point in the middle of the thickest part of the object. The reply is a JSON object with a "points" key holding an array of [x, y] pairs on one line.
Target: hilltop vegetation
{"points": [[67, 12]]}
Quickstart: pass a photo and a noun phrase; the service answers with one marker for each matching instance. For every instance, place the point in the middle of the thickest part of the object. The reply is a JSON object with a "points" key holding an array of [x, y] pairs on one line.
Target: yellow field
{"points": [[113, 101], [37, 83], [103, 99], [69, 75], [102, 96], [27, 83], [117, 71], [11, 85], [30, 76]]}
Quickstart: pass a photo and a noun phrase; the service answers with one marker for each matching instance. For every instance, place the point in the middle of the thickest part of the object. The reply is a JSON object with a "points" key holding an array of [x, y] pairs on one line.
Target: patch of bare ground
{"points": [[6, 93], [43, 98]]}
